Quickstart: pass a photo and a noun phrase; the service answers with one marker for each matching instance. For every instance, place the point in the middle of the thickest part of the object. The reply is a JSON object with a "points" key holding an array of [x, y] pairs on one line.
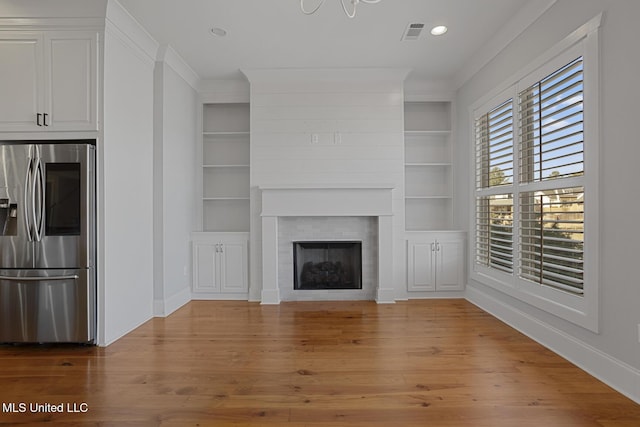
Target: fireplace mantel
{"points": [[366, 200], [327, 200]]}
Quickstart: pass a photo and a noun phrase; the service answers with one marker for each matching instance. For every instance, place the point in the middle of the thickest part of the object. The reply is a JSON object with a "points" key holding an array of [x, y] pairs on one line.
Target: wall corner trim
{"points": [[164, 307]]}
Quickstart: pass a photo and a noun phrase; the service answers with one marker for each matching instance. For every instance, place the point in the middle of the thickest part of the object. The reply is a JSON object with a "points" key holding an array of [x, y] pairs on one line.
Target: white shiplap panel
{"points": [[354, 139], [279, 178], [338, 99], [322, 87], [327, 112], [331, 133], [385, 153], [294, 166], [314, 125]]}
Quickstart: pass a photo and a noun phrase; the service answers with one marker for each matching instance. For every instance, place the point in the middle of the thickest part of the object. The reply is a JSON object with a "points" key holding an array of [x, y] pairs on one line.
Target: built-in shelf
{"points": [[427, 197], [238, 133], [225, 198], [428, 166], [225, 167], [427, 132]]}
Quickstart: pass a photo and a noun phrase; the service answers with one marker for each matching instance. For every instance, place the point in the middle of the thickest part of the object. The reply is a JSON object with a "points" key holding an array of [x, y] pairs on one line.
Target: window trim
{"points": [[581, 310]]}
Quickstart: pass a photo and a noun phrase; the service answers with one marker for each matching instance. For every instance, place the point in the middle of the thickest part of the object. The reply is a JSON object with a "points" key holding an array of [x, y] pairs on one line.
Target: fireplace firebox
{"points": [[327, 265]]}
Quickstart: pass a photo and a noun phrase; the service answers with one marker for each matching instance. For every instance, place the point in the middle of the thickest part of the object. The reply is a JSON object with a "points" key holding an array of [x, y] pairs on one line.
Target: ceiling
{"points": [[276, 34]]}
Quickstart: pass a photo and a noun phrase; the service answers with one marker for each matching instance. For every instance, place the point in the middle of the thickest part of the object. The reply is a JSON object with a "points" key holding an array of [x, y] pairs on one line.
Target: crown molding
{"points": [[224, 91], [123, 25], [522, 20], [325, 75], [169, 56], [427, 90]]}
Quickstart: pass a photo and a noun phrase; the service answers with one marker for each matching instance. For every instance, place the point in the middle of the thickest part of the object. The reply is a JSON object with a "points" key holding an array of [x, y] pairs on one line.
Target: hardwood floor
{"points": [[418, 363]]}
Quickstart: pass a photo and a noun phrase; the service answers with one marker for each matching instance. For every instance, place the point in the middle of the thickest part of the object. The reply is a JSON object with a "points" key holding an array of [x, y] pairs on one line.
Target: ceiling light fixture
{"points": [[219, 32], [439, 30], [351, 14]]}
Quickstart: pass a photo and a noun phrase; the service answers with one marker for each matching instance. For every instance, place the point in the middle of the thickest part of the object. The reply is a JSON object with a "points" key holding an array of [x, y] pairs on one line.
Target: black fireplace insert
{"points": [[327, 265]]}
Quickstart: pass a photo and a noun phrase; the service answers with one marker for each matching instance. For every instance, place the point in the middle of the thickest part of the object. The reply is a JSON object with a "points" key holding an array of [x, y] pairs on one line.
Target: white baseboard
{"points": [[385, 296], [270, 296], [613, 372], [163, 308], [217, 296]]}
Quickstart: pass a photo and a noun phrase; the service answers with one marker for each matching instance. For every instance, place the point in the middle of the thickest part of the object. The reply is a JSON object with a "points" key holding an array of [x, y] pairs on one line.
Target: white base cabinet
{"points": [[220, 265], [435, 261]]}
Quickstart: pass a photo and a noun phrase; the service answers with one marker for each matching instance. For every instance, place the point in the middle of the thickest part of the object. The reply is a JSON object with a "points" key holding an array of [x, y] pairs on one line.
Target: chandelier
{"points": [[350, 14]]}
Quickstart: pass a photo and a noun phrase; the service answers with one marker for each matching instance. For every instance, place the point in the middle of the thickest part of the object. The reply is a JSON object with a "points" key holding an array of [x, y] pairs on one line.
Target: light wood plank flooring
{"points": [[419, 363]]}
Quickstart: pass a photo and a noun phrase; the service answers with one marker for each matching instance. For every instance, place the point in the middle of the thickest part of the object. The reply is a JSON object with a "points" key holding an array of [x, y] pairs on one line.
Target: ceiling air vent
{"points": [[412, 32]]}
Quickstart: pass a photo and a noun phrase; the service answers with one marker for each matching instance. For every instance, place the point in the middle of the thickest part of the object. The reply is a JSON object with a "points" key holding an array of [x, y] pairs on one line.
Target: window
{"points": [[494, 171], [551, 156], [535, 216]]}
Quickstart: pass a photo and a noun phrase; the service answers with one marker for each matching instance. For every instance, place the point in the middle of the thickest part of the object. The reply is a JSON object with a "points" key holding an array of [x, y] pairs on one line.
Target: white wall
{"points": [[614, 353], [125, 181], [288, 106], [174, 181]]}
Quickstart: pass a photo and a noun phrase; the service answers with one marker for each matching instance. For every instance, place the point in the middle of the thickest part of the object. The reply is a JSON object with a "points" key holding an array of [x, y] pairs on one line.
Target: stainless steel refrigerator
{"points": [[47, 242]]}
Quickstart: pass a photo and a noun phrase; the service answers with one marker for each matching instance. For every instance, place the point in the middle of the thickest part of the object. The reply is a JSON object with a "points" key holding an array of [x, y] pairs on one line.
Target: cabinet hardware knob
{"points": [[44, 121], [38, 119]]}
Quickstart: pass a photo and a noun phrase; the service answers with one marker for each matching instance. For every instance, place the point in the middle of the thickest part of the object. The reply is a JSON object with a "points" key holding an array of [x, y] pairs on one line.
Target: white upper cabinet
{"points": [[71, 87], [22, 70], [49, 81]]}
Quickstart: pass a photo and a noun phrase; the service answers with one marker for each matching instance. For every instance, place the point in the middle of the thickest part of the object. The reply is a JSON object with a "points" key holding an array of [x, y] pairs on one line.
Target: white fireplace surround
{"points": [[360, 200]]}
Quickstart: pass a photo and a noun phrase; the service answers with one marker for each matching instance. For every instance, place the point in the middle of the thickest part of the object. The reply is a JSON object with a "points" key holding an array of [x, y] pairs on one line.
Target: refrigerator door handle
{"points": [[39, 278], [25, 209], [38, 200]]}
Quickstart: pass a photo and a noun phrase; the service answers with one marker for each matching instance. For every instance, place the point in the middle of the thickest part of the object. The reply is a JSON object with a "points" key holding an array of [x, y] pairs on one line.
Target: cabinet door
{"points": [[233, 267], [421, 267], [205, 268], [71, 80], [21, 82], [449, 265]]}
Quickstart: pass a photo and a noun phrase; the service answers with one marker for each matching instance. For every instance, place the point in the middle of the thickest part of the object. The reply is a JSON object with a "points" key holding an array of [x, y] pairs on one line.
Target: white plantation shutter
{"points": [[494, 173], [551, 126], [494, 232], [552, 238], [494, 147], [551, 196]]}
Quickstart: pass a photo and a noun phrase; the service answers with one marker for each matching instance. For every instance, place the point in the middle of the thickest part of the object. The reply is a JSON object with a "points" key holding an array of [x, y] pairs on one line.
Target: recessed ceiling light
{"points": [[439, 30], [219, 32]]}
